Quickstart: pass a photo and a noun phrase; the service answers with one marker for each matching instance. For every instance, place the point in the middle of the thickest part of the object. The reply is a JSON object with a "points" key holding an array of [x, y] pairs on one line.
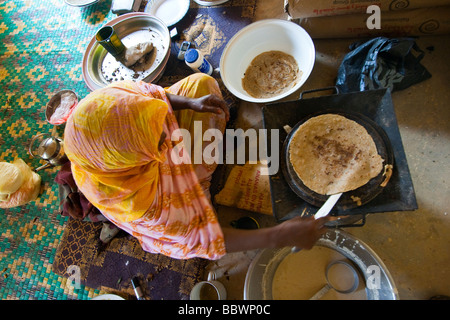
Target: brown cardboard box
{"points": [[415, 22], [318, 8]]}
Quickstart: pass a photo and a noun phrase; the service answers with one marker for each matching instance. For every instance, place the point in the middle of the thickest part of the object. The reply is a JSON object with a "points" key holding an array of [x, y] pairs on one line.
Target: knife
{"points": [[327, 206], [323, 211]]}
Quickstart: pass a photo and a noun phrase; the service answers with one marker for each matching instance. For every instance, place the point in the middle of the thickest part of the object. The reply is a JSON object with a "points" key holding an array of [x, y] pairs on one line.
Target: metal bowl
{"points": [[259, 37], [100, 68], [258, 281], [55, 102]]}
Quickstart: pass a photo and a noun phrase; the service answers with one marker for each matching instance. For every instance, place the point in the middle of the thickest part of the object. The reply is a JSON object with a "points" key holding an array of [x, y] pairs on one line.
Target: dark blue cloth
{"points": [[381, 63]]}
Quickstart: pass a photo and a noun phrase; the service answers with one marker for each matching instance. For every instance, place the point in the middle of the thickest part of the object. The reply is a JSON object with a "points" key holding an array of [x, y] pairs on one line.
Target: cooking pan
{"points": [[364, 193]]}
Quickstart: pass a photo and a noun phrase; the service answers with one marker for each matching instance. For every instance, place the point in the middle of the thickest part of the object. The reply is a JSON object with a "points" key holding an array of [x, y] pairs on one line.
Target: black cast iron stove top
{"points": [[398, 195]]}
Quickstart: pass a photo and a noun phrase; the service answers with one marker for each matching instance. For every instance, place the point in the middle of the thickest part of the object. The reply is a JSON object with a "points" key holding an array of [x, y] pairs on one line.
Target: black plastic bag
{"points": [[381, 63]]}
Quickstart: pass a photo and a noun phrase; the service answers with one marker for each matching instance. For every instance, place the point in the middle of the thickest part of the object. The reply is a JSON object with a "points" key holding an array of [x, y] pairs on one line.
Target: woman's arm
{"points": [[209, 103], [299, 232]]}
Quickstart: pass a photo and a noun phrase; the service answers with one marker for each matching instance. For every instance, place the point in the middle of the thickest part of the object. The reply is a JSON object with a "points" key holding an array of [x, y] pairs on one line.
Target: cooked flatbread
{"points": [[333, 154], [270, 74]]}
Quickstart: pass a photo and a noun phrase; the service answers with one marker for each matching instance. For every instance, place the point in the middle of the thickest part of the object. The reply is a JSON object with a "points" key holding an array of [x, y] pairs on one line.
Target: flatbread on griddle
{"points": [[333, 154], [270, 74]]}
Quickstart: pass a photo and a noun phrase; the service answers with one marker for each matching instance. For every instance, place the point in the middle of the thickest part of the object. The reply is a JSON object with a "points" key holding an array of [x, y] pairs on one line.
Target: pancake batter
{"points": [[301, 275]]}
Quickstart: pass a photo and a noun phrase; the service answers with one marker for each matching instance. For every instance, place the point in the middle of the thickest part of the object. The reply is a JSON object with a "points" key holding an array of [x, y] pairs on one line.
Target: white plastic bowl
{"points": [[259, 37]]}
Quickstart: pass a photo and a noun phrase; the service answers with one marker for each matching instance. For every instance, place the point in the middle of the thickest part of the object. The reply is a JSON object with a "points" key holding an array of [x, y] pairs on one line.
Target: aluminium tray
{"points": [[100, 68]]}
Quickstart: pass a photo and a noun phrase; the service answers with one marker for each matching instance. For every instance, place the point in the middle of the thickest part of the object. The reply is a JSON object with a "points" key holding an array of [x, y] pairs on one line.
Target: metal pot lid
{"points": [[49, 148], [364, 193]]}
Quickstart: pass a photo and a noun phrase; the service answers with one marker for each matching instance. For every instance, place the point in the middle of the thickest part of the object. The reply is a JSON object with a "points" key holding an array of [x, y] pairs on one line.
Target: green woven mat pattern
{"points": [[41, 49]]}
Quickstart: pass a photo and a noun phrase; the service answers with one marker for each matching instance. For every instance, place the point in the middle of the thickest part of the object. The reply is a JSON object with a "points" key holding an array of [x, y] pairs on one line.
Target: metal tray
{"points": [[100, 68]]}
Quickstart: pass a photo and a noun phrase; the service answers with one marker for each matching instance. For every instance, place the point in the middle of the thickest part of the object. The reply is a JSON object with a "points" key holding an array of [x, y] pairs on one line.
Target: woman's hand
{"points": [[209, 103], [300, 232]]}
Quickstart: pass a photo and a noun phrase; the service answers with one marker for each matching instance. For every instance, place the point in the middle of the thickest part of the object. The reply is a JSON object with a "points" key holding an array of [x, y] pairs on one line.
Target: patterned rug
{"points": [[112, 267], [42, 43]]}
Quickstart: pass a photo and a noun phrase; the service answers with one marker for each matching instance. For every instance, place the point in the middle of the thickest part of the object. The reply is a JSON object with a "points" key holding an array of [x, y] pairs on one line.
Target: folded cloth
{"points": [[381, 63], [75, 205]]}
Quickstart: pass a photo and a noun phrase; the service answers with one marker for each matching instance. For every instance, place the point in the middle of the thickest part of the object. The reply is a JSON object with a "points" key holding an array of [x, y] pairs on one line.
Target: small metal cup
{"points": [[108, 38]]}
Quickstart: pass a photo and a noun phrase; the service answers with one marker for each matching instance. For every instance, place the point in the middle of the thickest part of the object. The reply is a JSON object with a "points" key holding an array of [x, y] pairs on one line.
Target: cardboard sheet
{"points": [[416, 22], [319, 8]]}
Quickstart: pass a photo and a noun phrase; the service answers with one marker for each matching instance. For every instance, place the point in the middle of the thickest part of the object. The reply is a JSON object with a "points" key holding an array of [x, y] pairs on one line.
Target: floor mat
{"points": [[111, 267], [41, 46], [42, 43]]}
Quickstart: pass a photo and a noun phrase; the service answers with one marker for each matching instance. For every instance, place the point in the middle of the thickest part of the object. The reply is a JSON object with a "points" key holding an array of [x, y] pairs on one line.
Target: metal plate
{"points": [[211, 2], [80, 3], [100, 68], [108, 297], [367, 192], [169, 11]]}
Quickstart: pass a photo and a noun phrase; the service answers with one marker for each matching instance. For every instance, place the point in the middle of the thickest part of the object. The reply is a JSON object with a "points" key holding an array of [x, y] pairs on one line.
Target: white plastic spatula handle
{"points": [[327, 206], [324, 211]]}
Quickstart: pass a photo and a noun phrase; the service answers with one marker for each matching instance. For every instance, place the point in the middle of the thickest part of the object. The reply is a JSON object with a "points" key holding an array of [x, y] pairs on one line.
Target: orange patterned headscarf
{"points": [[112, 142]]}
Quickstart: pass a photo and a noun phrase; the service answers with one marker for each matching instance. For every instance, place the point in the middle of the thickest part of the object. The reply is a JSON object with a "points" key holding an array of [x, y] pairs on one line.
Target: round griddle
{"points": [[366, 192]]}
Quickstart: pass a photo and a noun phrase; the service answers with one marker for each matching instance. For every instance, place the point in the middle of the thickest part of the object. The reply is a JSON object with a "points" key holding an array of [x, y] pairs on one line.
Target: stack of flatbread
{"points": [[270, 74], [332, 154]]}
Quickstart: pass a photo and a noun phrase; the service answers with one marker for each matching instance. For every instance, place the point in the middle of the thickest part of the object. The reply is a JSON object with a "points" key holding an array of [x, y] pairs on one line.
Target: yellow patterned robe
{"points": [[112, 141]]}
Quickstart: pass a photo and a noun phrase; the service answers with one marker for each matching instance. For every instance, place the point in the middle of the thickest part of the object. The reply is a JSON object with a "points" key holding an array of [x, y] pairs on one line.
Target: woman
{"points": [[118, 140]]}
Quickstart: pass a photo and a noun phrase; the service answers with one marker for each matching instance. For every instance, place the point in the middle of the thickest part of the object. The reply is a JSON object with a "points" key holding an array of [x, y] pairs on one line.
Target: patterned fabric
{"points": [[112, 141], [110, 268]]}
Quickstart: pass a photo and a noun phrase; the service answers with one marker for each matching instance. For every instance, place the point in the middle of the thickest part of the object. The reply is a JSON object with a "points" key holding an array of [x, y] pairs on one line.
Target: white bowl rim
{"points": [[245, 30]]}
